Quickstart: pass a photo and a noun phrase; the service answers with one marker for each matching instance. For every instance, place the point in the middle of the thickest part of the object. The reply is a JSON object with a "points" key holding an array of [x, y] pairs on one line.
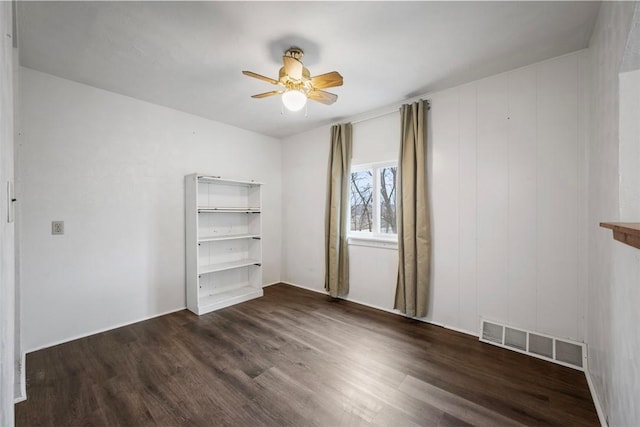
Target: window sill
{"points": [[373, 242]]}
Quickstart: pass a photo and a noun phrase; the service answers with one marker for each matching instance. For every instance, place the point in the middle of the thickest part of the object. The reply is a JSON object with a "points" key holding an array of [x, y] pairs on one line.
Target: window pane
{"points": [[388, 200], [362, 201]]}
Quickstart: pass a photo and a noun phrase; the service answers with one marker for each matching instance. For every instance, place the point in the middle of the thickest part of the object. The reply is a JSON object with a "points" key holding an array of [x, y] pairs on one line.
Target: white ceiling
{"points": [[189, 55]]}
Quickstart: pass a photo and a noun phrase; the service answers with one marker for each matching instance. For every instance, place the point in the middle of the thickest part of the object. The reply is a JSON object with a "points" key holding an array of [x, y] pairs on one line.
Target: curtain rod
{"points": [[384, 112], [374, 116]]}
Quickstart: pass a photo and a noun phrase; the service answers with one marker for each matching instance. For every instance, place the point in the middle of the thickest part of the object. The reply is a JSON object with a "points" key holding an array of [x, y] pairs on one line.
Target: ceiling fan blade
{"points": [[292, 67], [322, 96], [261, 77], [327, 80], [264, 95]]}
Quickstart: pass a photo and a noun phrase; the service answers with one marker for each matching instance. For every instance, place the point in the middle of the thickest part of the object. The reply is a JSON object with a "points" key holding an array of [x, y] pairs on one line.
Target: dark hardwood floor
{"points": [[296, 358]]}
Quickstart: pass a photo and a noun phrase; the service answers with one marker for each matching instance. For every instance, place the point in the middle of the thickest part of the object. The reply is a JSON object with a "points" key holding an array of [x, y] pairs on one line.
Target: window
{"points": [[372, 199]]}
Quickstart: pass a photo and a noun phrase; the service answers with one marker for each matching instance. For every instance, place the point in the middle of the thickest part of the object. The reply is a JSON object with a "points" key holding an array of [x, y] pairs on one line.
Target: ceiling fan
{"points": [[297, 83]]}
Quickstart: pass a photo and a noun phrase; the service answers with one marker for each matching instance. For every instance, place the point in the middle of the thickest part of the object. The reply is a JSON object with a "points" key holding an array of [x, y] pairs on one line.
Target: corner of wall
{"points": [[594, 395], [610, 305]]}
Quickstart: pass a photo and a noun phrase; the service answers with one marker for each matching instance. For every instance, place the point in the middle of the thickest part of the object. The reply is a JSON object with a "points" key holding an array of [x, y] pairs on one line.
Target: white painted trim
{"points": [[596, 401], [452, 328], [271, 284], [388, 310], [372, 242], [421, 319], [323, 292], [392, 311], [99, 331], [23, 381], [374, 165]]}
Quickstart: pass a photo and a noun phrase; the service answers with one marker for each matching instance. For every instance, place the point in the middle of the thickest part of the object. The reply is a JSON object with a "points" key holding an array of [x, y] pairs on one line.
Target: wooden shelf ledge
{"points": [[625, 232]]}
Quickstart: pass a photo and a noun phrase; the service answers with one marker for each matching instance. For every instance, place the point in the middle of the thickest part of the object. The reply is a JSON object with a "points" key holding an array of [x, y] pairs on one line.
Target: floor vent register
{"points": [[564, 352]]}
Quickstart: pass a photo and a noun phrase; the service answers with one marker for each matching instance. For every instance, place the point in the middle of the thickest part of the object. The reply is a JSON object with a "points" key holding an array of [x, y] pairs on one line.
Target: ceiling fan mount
{"points": [[296, 82], [294, 52]]}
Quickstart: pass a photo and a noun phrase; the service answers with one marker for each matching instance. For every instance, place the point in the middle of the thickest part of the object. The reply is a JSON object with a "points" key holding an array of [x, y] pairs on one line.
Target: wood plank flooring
{"points": [[295, 358]]}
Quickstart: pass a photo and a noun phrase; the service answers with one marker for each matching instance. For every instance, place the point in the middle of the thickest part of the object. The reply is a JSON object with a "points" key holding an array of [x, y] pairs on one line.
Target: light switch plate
{"points": [[57, 227]]}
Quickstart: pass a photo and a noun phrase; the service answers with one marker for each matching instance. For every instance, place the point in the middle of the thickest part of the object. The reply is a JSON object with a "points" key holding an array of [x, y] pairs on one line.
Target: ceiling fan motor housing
{"points": [[303, 84]]}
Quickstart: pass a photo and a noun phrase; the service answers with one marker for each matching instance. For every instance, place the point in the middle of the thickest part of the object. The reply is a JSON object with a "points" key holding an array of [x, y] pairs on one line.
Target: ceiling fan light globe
{"points": [[294, 100]]}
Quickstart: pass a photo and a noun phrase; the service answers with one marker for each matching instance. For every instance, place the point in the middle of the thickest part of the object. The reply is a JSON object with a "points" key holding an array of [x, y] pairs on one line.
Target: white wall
{"points": [[629, 145], [614, 268], [7, 284], [304, 181], [376, 140], [112, 167], [508, 200]]}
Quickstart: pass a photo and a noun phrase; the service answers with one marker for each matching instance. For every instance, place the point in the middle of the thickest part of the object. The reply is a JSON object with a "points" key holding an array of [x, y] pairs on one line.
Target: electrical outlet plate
{"points": [[57, 227]]}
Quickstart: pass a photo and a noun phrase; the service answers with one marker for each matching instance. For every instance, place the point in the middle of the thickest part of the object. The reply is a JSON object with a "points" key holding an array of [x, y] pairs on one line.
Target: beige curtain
{"points": [[337, 212], [414, 235]]}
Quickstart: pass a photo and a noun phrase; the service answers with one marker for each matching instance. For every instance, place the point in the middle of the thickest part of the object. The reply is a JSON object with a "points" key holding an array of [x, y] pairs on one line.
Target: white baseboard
{"points": [[23, 381], [452, 328], [120, 325], [99, 331], [271, 284], [392, 311], [323, 292], [23, 397], [596, 401]]}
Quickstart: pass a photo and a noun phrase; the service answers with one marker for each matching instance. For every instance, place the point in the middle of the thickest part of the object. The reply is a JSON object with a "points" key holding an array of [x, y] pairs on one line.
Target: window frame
{"points": [[385, 240]]}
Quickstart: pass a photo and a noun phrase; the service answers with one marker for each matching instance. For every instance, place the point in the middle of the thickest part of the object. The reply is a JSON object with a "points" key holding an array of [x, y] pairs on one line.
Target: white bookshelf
{"points": [[223, 242]]}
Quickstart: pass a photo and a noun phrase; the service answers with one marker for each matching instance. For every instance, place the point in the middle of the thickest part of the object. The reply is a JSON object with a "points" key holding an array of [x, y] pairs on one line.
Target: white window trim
{"points": [[374, 238], [373, 242]]}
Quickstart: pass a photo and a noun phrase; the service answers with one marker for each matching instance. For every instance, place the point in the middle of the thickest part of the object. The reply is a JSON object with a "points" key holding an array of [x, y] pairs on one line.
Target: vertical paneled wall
{"points": [[507, 202], [613, 295], [523, 198], [506, 184]]}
